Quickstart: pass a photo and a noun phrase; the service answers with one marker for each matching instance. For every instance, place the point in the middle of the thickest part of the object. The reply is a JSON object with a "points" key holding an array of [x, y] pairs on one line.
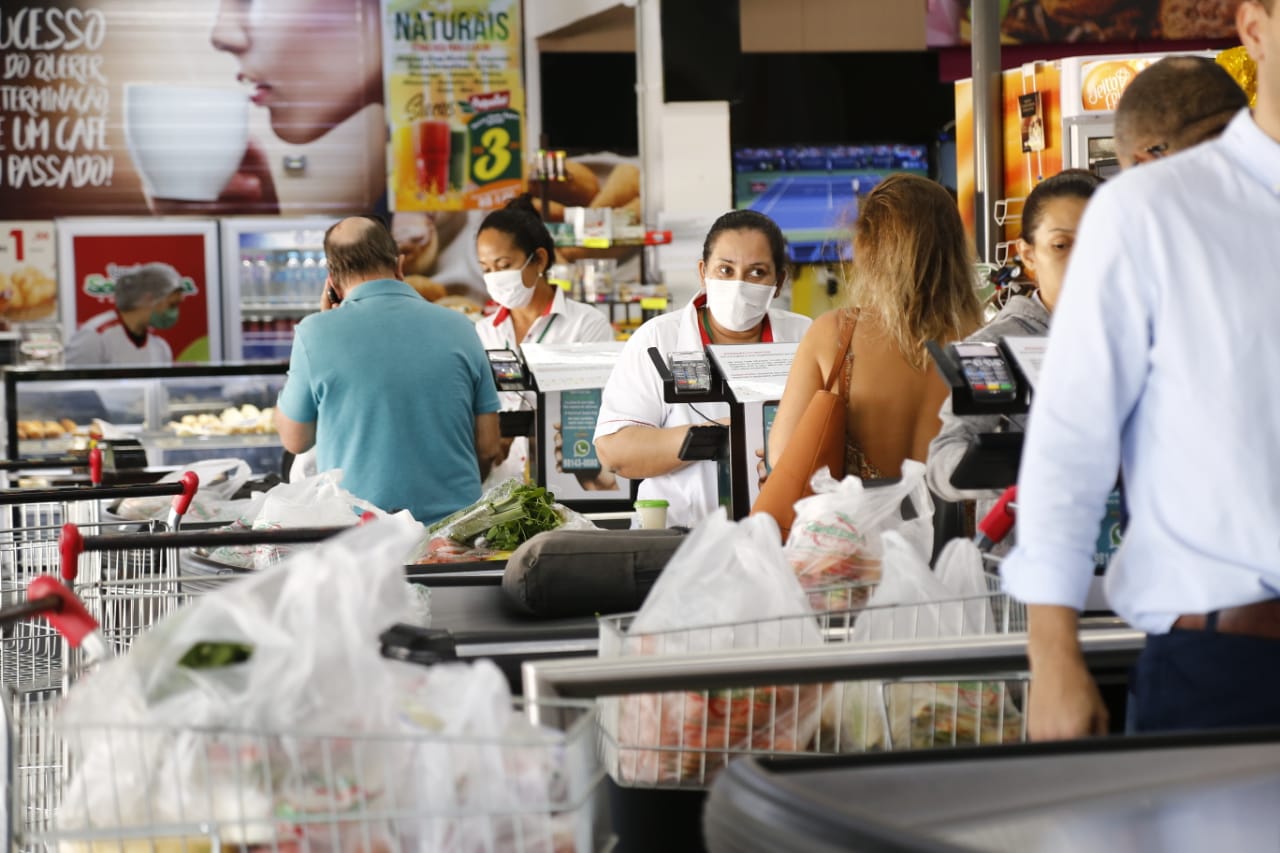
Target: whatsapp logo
{"points": [[582, 447]]}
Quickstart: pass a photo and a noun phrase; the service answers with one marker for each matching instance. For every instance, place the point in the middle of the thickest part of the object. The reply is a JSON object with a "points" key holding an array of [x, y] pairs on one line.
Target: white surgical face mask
{"points": [[736, 305], [506, 287]]}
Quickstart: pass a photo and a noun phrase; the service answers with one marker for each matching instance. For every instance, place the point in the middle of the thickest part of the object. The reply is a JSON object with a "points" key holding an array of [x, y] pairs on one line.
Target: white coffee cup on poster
{"points": [[186, 141]]}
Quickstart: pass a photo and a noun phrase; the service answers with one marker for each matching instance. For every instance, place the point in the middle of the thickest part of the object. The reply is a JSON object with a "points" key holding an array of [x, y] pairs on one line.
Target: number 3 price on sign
{"points": [[497, 155], [496, 139]]}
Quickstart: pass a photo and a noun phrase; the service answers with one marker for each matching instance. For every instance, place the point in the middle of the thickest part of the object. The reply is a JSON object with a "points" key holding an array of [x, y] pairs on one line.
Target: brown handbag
{"points": [[818, 442]]}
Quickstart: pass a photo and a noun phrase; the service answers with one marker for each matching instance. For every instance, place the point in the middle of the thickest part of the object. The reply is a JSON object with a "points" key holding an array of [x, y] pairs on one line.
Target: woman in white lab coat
{"points": [[515, 251], [638, 434]]}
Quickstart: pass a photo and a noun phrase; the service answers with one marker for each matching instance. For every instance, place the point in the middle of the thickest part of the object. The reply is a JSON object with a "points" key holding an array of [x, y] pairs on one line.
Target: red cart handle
{"points": [[95, 464], [71, 546], [190, 483], [69, 618], [997, 523]]}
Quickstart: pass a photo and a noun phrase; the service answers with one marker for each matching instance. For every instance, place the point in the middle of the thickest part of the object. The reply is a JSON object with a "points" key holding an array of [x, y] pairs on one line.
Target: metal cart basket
{"points": [[30, 653], [416, 787], [680, 739]]}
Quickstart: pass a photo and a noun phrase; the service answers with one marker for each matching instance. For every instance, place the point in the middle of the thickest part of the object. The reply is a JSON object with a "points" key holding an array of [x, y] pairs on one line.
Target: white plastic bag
{"points": [[834, 545], [156, 734], [914, 603], [318, 501], [498, 780], [220, 480], [728, 586]]}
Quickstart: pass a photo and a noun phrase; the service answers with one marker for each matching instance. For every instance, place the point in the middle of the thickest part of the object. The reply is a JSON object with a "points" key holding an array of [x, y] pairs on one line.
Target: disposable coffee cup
{"points": [[653, 514], [186, 141]]}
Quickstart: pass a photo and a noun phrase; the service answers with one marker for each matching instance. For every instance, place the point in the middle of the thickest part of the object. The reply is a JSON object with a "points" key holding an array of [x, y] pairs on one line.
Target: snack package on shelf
{"points": [[728, 586], [835, 546]]}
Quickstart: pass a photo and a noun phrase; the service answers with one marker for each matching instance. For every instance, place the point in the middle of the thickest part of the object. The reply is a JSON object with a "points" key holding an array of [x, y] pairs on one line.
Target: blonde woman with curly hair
{"points": [[912, 282]]}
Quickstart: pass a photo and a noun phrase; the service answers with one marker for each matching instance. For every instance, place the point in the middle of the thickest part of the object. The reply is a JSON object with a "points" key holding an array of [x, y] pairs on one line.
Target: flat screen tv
{"points": [[811, 191]]}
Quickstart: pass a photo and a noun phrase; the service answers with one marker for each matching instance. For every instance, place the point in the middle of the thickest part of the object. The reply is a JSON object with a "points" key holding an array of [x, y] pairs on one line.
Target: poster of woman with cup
{"points": [[269, 106]]}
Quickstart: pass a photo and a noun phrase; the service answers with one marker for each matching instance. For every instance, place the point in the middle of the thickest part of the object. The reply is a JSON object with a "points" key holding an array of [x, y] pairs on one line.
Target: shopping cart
{"points": [[177, 788], [681, 739], [29, 547], [130, 581]]}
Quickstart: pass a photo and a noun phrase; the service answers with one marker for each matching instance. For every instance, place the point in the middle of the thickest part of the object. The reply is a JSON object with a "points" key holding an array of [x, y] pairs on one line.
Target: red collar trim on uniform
{"points": [[504, 312], [139, 342], [700, 301]]}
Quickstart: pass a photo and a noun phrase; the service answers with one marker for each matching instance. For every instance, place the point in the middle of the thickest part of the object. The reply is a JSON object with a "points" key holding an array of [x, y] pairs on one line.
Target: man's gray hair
{"points": [[137, 286]]}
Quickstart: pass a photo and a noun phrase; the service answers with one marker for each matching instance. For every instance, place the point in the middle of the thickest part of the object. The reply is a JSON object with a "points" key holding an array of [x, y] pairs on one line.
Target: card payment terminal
{"points": [[986, 372], [691, 372]]}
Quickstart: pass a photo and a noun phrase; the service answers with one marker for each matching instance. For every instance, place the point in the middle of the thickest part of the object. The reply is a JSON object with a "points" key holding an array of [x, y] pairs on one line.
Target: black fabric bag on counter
{"points": [[584, 572]]}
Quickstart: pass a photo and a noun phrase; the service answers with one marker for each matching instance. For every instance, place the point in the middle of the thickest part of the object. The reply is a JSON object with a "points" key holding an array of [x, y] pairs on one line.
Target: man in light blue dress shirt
{"points": [[1161, 362]]}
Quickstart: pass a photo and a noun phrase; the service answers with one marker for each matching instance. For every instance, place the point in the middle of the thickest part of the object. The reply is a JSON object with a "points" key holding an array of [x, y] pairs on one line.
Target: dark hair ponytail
{"points": [[750, 220], [520, 221]]}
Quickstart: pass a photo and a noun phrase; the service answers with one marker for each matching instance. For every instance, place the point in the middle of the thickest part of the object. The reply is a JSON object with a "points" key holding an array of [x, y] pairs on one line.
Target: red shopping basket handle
{"points": [[190, 483], [70, 547], [997, 523], [95, 464], [65, 612]]}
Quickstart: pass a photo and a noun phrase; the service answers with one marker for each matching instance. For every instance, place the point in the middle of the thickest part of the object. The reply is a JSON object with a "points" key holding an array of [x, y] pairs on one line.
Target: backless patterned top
{"points": [[855, 461]]}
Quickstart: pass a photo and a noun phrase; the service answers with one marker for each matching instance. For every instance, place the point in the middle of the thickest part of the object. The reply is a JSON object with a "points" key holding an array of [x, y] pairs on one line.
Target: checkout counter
{"points": [[1175, 794]]}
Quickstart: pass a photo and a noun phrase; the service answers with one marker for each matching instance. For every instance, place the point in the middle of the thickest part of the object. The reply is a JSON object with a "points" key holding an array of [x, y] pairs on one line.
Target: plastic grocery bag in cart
{"points": [[728, 586], [318, 501], [914, 603], [835, 538], [220, 480], [293, 649], [503, 783]]}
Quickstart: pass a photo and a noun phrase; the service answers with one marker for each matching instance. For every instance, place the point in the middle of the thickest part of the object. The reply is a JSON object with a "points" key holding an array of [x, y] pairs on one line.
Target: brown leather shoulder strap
{"points": [[848, 322]]}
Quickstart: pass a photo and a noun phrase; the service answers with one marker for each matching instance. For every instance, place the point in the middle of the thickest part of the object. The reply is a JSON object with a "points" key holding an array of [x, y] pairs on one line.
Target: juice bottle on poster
{"points": [[459, 156], [404, 156], [433, 139]]}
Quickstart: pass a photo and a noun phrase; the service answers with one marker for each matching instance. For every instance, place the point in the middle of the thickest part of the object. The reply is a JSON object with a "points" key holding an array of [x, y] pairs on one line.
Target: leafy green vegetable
{"points": [[214, 655], [537, 514], [508, 515]]}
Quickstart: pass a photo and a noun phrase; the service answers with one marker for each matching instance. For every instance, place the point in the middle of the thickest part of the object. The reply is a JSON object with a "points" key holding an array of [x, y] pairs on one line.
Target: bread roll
{"points": [[53, 429], [426, 288], [581, 185], [68, 425], [622, 185]]}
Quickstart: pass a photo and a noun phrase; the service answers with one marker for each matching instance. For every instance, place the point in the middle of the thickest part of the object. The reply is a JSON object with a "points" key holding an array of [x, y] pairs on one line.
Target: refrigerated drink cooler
{"points": [[273, 273]]}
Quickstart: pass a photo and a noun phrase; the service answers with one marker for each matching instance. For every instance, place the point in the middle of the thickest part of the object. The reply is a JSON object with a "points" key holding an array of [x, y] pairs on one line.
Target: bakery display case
{"points": [[178, 414]]}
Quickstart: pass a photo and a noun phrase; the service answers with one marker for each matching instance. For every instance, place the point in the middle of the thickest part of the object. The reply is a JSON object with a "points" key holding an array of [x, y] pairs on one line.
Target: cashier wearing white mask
{"points": [[515, 250], [638, 435]]}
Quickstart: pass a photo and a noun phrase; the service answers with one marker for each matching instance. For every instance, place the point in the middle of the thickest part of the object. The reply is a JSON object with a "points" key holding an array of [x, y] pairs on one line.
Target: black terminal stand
{"points": [[992, 460], [713, 442], [519, 423]]}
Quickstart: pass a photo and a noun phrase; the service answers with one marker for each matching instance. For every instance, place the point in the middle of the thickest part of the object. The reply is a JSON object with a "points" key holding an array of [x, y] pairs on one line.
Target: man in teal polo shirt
{"points": [[391, 389]]}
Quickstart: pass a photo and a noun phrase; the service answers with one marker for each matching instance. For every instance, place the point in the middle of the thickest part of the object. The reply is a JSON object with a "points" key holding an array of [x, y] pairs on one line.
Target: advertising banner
{"points": [[455, 103], [96, 260], [28, 271], [1068, 21], [133, 107]]}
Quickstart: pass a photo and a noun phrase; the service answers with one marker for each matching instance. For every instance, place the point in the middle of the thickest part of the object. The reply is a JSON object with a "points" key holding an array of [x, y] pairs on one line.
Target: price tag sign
{"points": [[653, 303], [597, 242], [28, 271]]}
